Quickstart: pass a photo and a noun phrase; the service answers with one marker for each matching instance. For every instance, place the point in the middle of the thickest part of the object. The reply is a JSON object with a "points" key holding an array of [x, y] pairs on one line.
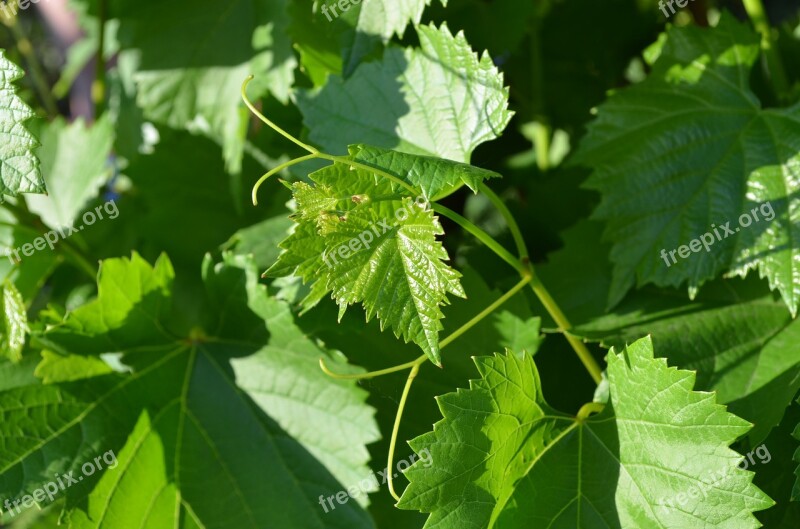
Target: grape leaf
{"points": [[201, 211], [435, 177], [373, 22], [691, 147], [212, 48], [503, 458], [13, 322], [796, 489], [361, 239], [169, 420], [748, 352], [19, 167], [261, 240], [316, 40], [75, 165], [439, 100]]}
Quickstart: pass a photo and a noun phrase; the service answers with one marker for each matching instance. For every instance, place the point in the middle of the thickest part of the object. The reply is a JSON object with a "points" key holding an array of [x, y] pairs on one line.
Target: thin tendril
{"points": [[393, 443], [278, 169], [269, 123], [372, 374]]}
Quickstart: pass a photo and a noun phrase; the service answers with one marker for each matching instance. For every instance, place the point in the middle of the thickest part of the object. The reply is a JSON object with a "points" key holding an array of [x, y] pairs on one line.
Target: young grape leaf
{"points": [[691, 150], [13, 322], [362, 239], [439, 100], [75, 166], [434, 176], [244, 367], [19, 167], [502, 458]]}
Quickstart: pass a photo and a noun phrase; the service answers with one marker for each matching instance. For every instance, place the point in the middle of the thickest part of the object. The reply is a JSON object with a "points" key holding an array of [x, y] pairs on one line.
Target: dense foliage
{"points": [[509, 265]]}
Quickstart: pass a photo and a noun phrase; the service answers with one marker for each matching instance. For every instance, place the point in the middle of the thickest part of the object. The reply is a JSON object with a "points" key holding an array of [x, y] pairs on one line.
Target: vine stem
{"points": [[516, 233], [525, 269], [564, 326], [758, 15], [99, 85], [36, 71], [482, 236]]}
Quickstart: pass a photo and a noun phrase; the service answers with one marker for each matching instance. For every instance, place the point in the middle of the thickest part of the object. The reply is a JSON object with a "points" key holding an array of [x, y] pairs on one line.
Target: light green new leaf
{"points": [[691, 149], [13, 322], [362, 239], [19, 167], [656, 457], [75, 166], [244, 367], [434, 176], [439, 100]]}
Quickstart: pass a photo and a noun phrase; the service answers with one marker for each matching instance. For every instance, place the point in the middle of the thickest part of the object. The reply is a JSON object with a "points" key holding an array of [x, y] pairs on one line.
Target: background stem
{"points": [[564, 326], [37, 73], [99, 85], [758, 15]]}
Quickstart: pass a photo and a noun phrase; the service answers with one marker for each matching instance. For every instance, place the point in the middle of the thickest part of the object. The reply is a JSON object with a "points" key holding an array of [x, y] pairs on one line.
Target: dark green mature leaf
{"points": [[503, 458], [28, 273], [740, 339], [439, 100], [361, 238], [796, 489], [744, 350], [773, 475], [688, 150], [170, 420], [261, 240], [316, 40], [75, 166], [373, 22], [183, 201], [195, 55], [19, 167], [13, 322]]}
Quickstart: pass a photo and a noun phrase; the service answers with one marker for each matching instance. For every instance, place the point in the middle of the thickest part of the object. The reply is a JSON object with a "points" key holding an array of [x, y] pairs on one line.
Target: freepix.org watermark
{"points": [[371, 483], [663, 7], [342, 5], [53, 236], [707, 240], [716, 478], [11, 7], [364, 240], [62, 482]]}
